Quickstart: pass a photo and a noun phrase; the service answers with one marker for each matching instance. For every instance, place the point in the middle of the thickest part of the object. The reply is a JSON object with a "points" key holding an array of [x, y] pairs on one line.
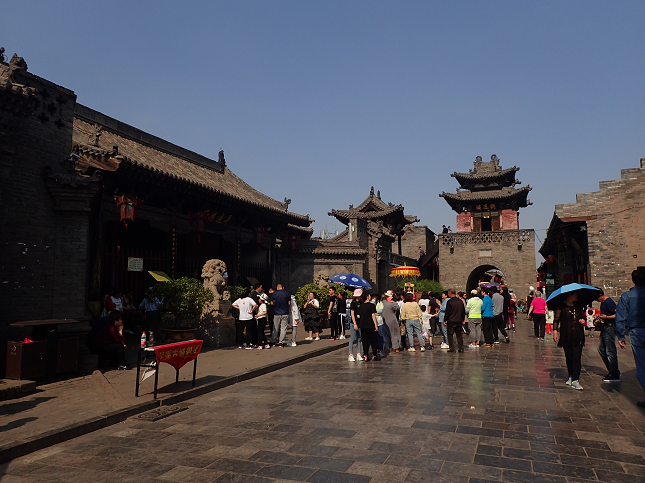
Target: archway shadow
{"points": [[476, 274]]}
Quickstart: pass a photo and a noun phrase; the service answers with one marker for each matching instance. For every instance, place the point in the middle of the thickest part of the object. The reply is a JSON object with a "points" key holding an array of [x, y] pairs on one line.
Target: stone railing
{"points": [[483, 237], [399, 260]]}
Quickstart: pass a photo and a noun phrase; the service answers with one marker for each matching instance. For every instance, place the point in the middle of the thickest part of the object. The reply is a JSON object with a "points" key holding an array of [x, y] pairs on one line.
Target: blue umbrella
{"points": [[351, 280], [587, 294]]}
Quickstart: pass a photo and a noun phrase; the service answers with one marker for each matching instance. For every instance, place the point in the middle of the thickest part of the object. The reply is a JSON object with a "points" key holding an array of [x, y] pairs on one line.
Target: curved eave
{"points": [[515, 197], [294, 218], [486, 176]]}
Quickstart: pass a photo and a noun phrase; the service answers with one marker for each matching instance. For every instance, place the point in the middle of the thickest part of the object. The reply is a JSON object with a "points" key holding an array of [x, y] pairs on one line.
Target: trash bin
{"points": [[26, 360]]}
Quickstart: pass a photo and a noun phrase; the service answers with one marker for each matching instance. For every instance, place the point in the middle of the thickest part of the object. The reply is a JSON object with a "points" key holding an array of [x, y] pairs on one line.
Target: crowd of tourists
{"points": [[396, 321]]}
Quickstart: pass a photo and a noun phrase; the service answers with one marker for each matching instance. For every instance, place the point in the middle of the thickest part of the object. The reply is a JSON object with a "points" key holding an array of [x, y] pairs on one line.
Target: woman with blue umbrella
{"points": [[569, 322]]}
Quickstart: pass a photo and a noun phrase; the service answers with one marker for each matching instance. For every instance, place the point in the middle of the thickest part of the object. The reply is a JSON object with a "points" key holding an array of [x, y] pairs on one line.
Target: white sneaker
{"points": [[411, 349], [309, 338], [576, 385], [359, 358], [473, 346], [293, 343], [351, 358], [267, 346], [423, 349], [445, 346], [317, 338], [568, 381], [341, 337]]}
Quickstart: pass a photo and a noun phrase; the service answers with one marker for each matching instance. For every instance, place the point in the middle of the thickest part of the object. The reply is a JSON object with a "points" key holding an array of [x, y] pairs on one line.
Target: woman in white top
{"points": [[294, 320], [246, 305], [311, 316], [261, 319]]}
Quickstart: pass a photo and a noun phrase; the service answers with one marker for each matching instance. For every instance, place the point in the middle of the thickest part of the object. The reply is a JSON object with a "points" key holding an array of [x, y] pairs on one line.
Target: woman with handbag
{"points": [[311, 316]]}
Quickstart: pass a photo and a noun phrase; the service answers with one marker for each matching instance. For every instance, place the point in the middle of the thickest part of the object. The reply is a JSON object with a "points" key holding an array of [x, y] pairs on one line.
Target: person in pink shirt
{"points": [[538, 309]]}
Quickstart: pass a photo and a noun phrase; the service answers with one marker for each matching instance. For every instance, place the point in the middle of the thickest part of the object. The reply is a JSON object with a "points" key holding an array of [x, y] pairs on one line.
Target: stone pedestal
{"points": [[218, 331]]}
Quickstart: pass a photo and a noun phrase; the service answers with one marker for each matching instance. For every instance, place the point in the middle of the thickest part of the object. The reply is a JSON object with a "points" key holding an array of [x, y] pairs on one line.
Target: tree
{"points": [[184, 298]]}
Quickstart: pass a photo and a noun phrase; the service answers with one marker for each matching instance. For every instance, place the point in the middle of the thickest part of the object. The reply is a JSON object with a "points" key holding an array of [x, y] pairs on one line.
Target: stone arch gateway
{"points": [[464, 256]]}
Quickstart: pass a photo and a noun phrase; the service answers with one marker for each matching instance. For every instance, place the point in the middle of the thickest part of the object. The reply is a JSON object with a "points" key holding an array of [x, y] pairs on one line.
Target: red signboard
{"points": [[179, 353]]}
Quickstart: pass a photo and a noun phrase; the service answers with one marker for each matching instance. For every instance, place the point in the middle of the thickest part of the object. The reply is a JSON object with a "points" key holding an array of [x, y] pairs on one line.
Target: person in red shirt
{"points": [[109, 342], [538, 310]]}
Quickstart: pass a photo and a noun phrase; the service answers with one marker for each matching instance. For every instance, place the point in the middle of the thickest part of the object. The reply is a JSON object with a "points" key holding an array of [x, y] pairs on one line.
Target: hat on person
{"points": [[358, 292], [389, 293], [474, 291], [264, 297]]}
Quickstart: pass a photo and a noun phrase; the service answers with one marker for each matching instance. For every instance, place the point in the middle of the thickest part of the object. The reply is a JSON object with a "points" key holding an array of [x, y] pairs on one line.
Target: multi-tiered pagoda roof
{"points": [[487, 187], [376, 210]]}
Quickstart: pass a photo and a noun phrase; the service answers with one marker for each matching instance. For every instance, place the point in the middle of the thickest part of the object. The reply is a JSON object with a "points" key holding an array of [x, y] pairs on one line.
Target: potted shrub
{"points": [[183, 300]]}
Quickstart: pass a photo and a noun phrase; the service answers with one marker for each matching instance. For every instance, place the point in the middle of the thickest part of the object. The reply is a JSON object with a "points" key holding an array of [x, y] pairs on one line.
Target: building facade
{"points": [[370, 246], [88, 202], [488, 237], [600, 238]]}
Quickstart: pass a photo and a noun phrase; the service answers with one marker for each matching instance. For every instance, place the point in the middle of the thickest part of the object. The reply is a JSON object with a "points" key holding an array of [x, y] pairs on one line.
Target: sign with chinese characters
{"points": [[179, 353], [135, 264]]}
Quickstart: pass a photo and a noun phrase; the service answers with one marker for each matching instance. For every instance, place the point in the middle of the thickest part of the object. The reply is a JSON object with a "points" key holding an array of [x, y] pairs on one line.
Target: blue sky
{"points": [[318, 101]]}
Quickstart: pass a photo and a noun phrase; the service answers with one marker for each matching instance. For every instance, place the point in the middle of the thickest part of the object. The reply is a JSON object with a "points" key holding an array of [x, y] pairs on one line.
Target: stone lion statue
{"points": [[213, 275], [320, 279]]}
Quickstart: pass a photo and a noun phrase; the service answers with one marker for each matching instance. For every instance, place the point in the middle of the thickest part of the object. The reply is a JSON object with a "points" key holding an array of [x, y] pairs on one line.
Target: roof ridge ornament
{"points": [[287, 201], [372, 191]]}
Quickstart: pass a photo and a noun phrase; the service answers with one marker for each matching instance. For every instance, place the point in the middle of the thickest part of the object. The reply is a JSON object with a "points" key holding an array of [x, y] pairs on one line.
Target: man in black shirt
{"points": [[454, 319], [366, 321], [607, 342], [332, 314], [507, 306]]}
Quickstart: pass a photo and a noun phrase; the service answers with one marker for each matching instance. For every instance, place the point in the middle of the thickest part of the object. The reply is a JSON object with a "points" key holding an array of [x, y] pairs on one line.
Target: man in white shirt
{"points": [[246, 305]]}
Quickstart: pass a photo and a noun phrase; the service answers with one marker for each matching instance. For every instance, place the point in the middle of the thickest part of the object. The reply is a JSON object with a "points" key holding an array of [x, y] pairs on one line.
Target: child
{"points": [[590, 315]]}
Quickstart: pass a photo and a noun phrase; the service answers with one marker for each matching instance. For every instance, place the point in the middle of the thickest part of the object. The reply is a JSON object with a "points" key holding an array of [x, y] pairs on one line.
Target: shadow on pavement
{"points": [[17, 407], [16, 424]]}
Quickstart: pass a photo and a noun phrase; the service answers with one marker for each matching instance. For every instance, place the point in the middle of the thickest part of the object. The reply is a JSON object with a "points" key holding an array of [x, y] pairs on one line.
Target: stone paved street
{"points": [[500, 414]]}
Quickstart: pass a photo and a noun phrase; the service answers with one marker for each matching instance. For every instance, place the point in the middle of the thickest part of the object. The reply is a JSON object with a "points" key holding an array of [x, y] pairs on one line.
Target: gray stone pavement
{"points": [[60, 404], [499, 414]]}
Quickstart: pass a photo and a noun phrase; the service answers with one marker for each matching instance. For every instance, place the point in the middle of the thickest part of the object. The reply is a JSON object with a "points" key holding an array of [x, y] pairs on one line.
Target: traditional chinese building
{"points": [[370, 246], [87, 202], [488, 237], [600, 238]]}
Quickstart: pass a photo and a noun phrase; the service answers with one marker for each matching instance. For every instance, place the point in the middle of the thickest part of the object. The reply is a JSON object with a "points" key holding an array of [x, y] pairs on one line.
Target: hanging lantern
{"points": [[198, 221], [405, 271], [258, 235], [292, 241], [126, 205]]}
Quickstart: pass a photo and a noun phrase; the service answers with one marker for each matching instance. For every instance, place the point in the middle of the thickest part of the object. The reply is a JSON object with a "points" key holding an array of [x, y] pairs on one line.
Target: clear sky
{"points": [[317, 101]]}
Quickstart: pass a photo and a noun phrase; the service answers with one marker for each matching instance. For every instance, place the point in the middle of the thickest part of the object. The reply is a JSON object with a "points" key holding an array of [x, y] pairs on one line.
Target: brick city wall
{"points": [[413, 238], [36, 133], [615, 229], [486, 250]]}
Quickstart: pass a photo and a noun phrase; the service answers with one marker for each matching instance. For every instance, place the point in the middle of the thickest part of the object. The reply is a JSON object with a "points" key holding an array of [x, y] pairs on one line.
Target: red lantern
{"points": [[258, 235], [199, 220], [126, 205], [292, 241]]}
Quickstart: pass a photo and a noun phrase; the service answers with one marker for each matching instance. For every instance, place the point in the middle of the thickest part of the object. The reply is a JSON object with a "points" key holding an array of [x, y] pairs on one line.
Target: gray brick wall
{"points": [[615, 232], [518, 266], [34, 134]]}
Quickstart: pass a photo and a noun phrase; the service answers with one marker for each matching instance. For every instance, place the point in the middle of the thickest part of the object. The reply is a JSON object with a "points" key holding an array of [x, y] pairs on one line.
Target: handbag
{"points": [[403, 331]]}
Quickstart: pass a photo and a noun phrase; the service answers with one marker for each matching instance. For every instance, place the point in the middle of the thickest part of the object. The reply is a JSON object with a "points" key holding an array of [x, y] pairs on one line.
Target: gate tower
{"points": [[488, 237]]}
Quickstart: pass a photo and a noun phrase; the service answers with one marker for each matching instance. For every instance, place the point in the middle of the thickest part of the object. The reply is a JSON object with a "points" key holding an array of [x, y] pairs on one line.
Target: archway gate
{"points": [[510, 251]]}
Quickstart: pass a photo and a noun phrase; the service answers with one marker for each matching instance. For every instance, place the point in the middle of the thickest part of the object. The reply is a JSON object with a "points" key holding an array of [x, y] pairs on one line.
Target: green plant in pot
{"points": [[183, 300]]}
